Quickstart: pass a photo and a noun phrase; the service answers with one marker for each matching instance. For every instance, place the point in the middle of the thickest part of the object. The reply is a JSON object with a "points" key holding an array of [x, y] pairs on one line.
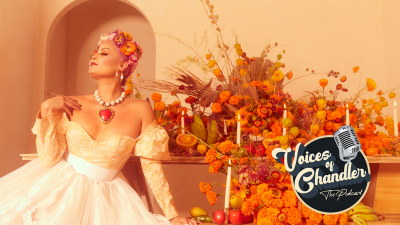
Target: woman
{"points": [[76, 179]]}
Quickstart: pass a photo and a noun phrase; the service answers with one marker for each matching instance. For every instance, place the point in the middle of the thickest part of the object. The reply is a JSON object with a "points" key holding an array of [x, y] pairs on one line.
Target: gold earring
{"points": [[119, 78]]}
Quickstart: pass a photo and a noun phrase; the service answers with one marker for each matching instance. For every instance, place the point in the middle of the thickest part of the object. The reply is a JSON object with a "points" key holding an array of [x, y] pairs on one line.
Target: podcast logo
{"points": [[329, 174]]}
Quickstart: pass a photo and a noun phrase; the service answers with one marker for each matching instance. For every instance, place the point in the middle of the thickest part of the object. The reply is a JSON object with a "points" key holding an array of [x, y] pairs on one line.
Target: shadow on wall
{"points": [[76, 34]]}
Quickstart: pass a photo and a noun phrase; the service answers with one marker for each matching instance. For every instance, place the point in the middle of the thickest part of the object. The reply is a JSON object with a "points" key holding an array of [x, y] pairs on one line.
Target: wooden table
{"points": [[383, 193]]}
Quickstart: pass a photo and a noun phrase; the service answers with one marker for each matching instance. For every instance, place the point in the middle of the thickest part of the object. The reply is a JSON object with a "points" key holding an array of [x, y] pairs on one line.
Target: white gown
{"points": [[77, 180]]}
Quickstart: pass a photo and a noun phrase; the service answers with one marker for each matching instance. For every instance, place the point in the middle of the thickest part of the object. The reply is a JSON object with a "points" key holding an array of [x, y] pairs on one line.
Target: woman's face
{"points": [[104, 62]]}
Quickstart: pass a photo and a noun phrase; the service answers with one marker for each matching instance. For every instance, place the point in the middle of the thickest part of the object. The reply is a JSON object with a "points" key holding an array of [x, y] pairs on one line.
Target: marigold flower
{"points": [[225, 95], [289, 199], [341, 110], [256, 83], [156, 97], [215, 166], [211, 156], [371, 84], [323, 82], [379, 93], [262, 188], [315, 217], [211, 197], [343, 219], [330, 219], [355, 69], [233, 100], [253, 189], [226, 146], [343, 79], [293, 215], [204, 188], [277, 76], [159, 106], [289, 74], [305, 211]]}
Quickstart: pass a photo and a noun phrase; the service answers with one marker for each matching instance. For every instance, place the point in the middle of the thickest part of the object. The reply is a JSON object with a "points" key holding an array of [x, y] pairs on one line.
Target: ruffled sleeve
{"points": [[152, 147], [50, 140]]}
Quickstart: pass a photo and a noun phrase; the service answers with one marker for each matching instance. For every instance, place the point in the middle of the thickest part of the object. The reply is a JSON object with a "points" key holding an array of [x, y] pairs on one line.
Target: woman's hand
{"points": [[180, 220], [59, 102]]}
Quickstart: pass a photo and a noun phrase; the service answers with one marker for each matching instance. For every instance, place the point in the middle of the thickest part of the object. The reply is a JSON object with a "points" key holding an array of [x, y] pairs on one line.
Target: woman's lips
{"points": [[93, 63]]}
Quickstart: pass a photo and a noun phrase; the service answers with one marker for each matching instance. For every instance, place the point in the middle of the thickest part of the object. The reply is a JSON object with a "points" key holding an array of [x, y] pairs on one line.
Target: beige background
{"points": [[46, 44]]}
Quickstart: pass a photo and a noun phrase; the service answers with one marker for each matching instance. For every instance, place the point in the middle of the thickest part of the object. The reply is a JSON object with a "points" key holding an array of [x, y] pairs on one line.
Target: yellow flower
{"points": [[371, 84], [321, 114], [243, 72], [239, 62], [156, 97], [211, 63], [392, 95], [321, 103], [217, 72], [277, 76]]}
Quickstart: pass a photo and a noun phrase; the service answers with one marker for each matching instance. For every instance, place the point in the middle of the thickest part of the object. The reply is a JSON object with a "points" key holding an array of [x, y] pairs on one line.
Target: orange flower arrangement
{"points": [[211, 156], [204, 188]]}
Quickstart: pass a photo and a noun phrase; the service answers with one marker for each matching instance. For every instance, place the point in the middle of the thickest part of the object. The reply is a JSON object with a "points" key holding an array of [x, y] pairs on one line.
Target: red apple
{"points": [[219, 217], [251, 150], [260, 150], [236, 217]]}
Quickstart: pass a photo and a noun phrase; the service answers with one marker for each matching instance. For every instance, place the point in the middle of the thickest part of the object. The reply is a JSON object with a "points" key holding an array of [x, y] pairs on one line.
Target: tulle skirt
{"points": [[39, 195]]}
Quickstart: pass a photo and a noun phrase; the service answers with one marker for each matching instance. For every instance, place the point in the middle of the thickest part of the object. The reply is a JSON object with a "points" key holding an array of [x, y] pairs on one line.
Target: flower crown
{"points": [[123, 41]]}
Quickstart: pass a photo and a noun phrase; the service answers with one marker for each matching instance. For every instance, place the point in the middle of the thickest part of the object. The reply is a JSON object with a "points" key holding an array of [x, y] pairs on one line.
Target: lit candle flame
{"points": [[183, 113], [284, 105], [238, 116], [229, 161], [394, 103], [347, 106]]}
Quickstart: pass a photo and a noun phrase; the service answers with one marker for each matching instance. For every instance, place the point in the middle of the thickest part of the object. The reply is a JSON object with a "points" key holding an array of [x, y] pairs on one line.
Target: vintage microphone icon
{"points": [[347, 142]]}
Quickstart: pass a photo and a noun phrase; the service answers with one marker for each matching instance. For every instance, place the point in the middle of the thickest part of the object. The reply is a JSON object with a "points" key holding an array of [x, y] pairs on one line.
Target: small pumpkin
{"points": [[186, 141]]}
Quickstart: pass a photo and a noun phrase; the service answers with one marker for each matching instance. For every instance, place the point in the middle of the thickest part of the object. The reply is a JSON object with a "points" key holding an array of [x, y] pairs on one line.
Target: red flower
{"points": [[190, 100]]}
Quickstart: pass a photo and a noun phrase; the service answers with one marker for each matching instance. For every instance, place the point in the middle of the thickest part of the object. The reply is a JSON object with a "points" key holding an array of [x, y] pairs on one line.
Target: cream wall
{"points": [[320, 35]]}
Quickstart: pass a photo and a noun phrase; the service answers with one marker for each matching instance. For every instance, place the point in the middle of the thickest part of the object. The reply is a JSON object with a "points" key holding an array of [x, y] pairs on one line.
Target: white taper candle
{"points": [[183, 122], [284, 117], [238, 131], [396, 128], [347, 115], [228, 190]]}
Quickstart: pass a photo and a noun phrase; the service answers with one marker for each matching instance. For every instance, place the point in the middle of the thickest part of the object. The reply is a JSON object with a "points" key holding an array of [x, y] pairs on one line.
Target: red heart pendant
{"points": [[105, 115]]}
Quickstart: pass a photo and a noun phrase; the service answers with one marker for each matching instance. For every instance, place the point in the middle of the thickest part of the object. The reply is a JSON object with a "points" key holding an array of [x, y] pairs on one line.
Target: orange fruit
{"points": [[371, 151]]}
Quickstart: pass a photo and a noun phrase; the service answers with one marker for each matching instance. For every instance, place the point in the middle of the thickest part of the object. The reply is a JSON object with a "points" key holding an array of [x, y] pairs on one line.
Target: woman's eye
{"points": [[103, 54]]}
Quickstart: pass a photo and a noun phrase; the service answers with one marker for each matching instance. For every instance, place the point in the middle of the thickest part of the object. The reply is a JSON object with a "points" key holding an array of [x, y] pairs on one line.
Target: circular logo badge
{"points": [[330, 174]]}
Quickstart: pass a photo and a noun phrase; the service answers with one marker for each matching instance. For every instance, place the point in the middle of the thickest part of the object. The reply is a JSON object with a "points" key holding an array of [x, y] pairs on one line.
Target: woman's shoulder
{"points": [[142, 108]]}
